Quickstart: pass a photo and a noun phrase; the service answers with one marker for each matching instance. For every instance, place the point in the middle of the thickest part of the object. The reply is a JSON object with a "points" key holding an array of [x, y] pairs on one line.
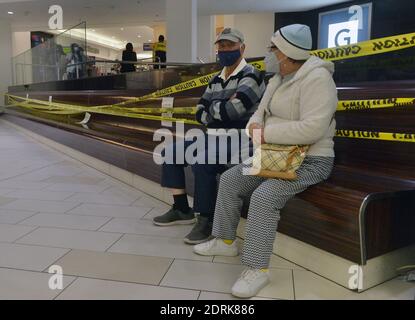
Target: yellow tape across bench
{"points": [[184, 86], [373, 135], [349, 105], [367, 48], [45, 106]]}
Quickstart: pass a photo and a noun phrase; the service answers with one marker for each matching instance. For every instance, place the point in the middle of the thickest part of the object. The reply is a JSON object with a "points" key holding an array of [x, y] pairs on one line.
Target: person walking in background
{"points": [[160, 52], [60, 62], [128, 55], [74, 61]]}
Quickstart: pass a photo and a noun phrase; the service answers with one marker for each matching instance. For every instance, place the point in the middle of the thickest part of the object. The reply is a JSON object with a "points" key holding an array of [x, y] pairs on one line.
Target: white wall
{"points": [[5, 58], [181, 28], [257, 29], [20, 42], [104, 52]]}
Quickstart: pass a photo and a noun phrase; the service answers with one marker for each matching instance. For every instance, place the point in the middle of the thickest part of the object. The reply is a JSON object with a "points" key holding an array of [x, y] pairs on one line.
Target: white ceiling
{"points": [[211, 7], [109, 13], [107, 17]]}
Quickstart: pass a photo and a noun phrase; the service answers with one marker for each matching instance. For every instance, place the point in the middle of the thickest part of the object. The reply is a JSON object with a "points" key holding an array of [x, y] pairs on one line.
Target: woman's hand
{"points": [[258, 138]]}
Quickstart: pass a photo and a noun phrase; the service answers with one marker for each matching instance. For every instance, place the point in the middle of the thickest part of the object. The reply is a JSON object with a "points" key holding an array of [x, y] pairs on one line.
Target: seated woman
{"points": [[297, 109]]}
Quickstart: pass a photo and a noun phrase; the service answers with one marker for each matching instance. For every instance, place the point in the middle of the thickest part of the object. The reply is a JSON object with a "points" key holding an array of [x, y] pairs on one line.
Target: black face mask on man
{"points": [[229, 58]]}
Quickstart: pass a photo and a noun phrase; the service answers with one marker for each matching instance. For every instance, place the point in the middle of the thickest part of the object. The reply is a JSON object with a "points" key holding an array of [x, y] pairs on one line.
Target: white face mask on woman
{"points": [[272, 64]]}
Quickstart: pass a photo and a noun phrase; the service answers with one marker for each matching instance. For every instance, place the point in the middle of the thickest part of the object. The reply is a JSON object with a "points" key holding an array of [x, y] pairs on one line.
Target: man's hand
{"points": [[258, 138]]}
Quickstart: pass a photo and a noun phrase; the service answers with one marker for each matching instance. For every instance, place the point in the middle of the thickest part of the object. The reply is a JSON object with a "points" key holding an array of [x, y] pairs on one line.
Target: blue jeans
{"points": [[205, 174]]}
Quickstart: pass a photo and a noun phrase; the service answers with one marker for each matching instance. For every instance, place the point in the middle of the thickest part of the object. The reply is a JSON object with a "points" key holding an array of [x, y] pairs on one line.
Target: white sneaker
{"points": [[216, 247], [250, 283]]}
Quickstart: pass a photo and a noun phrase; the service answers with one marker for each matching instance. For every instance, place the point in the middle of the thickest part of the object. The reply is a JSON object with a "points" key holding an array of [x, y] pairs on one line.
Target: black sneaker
{"points": [[201, 232], [173, 217]]}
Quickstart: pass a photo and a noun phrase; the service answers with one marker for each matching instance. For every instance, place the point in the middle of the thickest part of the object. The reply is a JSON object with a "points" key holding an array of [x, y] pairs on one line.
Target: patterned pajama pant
{"points": [[268, 197]]}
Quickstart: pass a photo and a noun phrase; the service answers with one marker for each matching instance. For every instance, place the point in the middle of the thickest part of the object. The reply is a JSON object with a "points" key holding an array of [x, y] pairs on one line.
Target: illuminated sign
{"points": [[148, 46], [345, 26]]}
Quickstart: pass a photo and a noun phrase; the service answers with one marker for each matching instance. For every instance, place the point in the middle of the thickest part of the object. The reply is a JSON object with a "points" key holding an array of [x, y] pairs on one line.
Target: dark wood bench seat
{"points": [[365, 210]]}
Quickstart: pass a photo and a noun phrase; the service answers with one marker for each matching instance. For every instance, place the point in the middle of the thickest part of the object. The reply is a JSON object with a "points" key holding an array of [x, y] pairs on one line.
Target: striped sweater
{"points": [[230, 104]]}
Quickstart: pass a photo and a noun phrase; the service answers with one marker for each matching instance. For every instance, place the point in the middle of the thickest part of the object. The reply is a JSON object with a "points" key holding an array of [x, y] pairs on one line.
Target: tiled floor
{"points": [[56, 211]]}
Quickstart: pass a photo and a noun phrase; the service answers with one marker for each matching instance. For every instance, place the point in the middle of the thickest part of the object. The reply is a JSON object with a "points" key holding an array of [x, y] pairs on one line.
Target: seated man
{"points": [[228, 102]]}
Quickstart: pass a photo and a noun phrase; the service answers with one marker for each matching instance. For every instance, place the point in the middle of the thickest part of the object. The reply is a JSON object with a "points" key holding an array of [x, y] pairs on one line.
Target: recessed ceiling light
{"points": [[10, 12], [122, 29], [139, 36]]}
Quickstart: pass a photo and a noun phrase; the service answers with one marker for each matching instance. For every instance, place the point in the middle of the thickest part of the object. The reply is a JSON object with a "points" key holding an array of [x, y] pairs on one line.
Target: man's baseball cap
{"points": [[230, 34]]}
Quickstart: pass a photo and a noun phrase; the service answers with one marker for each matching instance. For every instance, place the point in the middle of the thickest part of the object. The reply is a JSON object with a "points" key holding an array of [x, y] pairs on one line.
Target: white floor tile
{"points": [[146, 227], [4, 201], [11, 232], [309, 286], [72, 239], [123, 191], [40, 205], [79, 188], [205, 295], [115, 266], [78, 180], [221, 277], [65, 221], [40, 195], [276, 261], [13, 216], [90, 289], [155, 212], [147, 201], [26, 285], [156, 247], [17, 183], [396, 289], [102, 199], [34, 258], [4, 191], [110, 211]]}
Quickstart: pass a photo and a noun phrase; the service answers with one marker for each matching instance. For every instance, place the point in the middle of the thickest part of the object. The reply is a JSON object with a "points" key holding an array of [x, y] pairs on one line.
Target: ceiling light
{"points": [[122, 29], [10, 12]]}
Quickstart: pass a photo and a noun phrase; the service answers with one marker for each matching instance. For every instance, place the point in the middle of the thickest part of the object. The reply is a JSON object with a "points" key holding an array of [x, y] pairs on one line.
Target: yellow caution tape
{"points": [[44, 107], [373, 135], [367, 48], [51, 106], [33, 104], [348, 105], [184, 86]]}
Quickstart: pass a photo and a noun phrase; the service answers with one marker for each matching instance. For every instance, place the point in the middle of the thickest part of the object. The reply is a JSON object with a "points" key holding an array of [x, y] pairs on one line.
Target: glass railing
{"points": [[58, 58], [65, 57]]}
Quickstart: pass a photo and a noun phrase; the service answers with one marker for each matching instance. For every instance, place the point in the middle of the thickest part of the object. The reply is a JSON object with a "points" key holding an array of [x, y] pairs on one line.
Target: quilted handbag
{"points": [[278, 161]]}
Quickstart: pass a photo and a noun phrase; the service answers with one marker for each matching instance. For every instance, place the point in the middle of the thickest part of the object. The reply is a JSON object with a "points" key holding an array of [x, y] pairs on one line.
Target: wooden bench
{"points": [[363, 215]]}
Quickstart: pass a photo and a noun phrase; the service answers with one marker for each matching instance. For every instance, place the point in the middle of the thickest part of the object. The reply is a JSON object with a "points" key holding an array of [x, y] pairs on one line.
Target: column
{"points": [[206, 38], [5, 58], [181, 25]]}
